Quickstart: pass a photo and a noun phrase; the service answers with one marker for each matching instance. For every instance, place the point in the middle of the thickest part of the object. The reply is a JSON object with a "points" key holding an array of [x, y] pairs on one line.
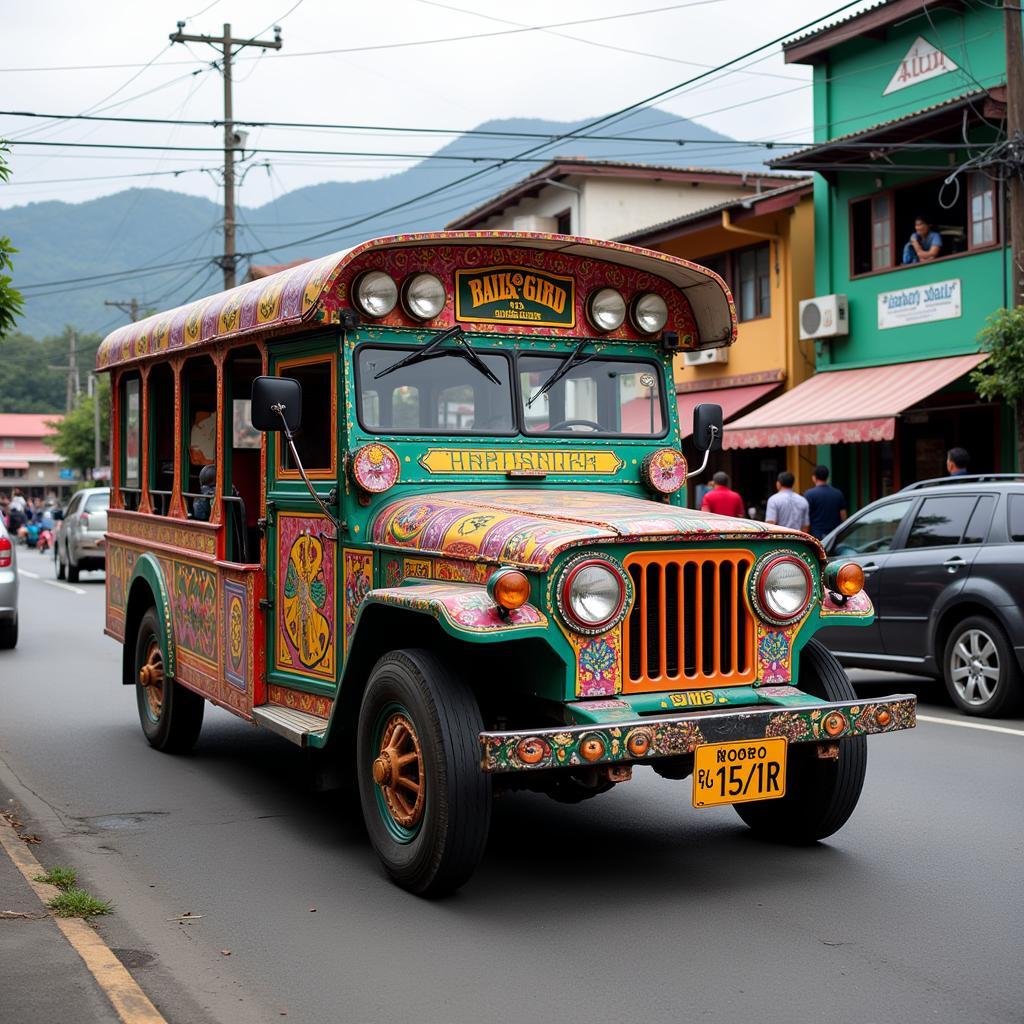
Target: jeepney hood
{"points": [[529, 527]]}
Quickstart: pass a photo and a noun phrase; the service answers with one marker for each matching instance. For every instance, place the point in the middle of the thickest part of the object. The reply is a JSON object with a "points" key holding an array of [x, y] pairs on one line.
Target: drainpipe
{"points": [[578, 204]]}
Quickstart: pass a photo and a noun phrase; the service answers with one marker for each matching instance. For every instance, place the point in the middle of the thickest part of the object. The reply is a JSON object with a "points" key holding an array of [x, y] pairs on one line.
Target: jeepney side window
{"points": [[315, 438], [160, 404], [199, 429], [241, 456], [131, 442]]}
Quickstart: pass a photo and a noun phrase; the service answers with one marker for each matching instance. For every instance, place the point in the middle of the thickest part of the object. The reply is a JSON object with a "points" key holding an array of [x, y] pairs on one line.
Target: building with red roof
{"points": [[26, 459]]}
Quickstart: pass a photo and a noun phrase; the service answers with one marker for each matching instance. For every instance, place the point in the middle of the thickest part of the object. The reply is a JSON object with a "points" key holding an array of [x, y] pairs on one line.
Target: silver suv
{"points": [[8, 590], [80, 535]]}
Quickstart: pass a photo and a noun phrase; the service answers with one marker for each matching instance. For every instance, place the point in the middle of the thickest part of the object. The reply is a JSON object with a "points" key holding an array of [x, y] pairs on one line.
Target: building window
{"points": [[754, 291], [8, 442], [982, 210], [881, 233], [563, 222]]}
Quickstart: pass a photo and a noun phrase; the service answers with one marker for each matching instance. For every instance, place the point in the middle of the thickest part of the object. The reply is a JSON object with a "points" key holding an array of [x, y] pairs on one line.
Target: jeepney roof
{"points": [[303, 294]]}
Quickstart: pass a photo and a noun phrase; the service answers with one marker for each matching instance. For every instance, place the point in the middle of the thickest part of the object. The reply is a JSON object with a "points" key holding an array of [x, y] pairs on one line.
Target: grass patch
{"points": [[63, 878], [74, 902]]}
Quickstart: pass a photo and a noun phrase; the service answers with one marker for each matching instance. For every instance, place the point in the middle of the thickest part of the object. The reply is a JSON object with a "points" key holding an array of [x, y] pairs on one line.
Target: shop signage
{"points": [[515, 295], [921, 305], [923, 61]]}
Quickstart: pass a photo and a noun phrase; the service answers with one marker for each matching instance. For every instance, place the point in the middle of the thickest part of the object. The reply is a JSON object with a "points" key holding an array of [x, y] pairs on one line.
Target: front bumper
{"points": [[645, 739]]}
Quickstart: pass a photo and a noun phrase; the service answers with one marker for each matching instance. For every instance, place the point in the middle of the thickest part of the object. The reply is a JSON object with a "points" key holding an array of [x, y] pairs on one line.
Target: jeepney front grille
{"points": [[689, 626]]}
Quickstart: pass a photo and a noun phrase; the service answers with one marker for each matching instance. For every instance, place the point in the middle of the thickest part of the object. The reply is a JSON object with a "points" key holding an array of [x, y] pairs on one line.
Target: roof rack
{"points": [[963, 479]]}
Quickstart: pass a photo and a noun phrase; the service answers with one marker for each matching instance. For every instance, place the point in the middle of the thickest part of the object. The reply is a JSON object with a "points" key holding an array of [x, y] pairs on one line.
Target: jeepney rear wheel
{"points": [[821, 793], [425, 800], [171, 715]]}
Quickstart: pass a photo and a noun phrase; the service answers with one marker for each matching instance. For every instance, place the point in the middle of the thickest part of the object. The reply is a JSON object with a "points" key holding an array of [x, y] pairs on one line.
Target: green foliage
{"points": [[75, 435], [11, 302], [27, 384], [1002, 374], [76, 902], [63, 878]]}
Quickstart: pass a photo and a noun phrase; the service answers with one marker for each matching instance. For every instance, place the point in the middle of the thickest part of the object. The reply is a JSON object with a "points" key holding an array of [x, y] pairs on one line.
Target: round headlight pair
{"points": [[782, 588], [376, 294], [593, 594], [607, 311]]}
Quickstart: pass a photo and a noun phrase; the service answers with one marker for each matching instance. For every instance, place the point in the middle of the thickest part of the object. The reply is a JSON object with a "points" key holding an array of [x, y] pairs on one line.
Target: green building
{"points": [[909, 100]]}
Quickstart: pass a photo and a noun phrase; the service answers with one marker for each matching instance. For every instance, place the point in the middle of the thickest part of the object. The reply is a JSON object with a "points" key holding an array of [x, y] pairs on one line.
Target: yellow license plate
{"points": [[729, 773]]}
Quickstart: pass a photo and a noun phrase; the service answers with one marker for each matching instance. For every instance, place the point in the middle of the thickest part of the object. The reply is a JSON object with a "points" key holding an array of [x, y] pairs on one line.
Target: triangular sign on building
{"points": [[923, 61]]}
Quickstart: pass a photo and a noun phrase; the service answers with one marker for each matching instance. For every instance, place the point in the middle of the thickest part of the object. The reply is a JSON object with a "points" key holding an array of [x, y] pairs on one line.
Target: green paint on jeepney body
{"points": [[147, 568]]}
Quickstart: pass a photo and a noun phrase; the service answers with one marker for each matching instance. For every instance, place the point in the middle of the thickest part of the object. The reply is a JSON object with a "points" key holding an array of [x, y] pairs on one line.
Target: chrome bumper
{"points": [[644, 739]]}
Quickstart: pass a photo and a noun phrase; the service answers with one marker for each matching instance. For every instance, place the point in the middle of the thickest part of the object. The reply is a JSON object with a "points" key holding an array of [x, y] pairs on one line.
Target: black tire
{"points": [[9, 634], [58, 564], [73, 569], [989, 685], [438, 851], [821, 793], [172, 723]]}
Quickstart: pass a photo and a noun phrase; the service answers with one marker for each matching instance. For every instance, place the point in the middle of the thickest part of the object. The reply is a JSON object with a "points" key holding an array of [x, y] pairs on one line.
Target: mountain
{"points": [[136, 228]]}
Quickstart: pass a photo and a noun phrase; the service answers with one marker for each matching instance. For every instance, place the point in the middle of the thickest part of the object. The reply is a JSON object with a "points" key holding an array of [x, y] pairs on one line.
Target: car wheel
{"points": [[980, 668], [58, 563], [425, 800], [9, 634], [821, 793], [171, 715], [73, 569]]}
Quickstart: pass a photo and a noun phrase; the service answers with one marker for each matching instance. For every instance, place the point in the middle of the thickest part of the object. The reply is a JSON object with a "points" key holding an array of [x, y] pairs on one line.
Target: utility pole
{"points": [[130, 307], [1014, 127], [74, 385], [232, 141]]}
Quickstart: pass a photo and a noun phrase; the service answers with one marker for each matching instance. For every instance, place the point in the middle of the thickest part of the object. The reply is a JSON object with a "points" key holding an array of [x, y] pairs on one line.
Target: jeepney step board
{"points": [[293, 725]]}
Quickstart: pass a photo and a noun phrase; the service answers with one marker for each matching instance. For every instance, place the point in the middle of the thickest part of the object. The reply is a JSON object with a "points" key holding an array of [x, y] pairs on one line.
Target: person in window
{"points": [[207, 487], [925, 244], [957, 461]]}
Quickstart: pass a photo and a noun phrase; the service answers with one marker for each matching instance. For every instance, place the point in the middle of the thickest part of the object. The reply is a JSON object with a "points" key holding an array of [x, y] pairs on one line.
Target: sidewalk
{"points": [[42, 976]]}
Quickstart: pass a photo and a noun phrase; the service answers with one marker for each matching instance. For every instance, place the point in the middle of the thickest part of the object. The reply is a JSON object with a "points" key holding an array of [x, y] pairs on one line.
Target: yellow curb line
{"points": [[131, 1004]]}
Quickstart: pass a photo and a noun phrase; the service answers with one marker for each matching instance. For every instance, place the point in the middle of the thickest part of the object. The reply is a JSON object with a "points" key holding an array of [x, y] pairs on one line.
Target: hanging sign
{"points": [[515, 295], [920, 305], [923, 61]]}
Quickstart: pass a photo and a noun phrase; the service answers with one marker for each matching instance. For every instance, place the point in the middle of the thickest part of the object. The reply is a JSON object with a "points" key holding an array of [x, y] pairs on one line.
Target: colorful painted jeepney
{"points": [[456, 558]]}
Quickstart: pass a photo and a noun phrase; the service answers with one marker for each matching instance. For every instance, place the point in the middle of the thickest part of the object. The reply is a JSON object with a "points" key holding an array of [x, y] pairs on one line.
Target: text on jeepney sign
{"points": [[515, 295], [575, 462]]}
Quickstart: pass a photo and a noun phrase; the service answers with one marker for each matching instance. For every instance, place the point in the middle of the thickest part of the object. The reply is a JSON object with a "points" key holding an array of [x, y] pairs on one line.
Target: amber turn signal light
{"points": [[845, 579], [509, 589]]}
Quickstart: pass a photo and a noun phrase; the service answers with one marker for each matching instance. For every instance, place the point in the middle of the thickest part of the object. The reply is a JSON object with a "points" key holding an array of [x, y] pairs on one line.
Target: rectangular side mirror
{"points": [[270, 394], [707, 427]]}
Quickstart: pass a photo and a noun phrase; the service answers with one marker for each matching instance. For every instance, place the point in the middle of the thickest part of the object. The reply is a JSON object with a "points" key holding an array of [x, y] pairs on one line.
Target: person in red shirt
{"points": [[722, 499]]}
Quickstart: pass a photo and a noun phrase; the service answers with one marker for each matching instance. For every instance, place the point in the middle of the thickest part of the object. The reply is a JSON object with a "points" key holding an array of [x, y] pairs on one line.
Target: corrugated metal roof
{"points": [[833, 24]]}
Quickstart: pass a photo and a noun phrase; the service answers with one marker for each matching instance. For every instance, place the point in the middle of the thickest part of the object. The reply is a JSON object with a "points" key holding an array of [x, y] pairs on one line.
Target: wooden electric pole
{"points": [[231, 141], [1014, 129], [130, 307]]}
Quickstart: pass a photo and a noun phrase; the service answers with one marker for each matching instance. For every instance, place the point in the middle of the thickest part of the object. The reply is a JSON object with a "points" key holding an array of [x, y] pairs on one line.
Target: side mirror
{"points": [[270, 394], [707, 427]]}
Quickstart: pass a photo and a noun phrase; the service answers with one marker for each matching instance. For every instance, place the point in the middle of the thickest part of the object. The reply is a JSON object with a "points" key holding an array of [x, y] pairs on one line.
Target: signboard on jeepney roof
{"points": [[922, 304], [515, 295], [923, 61]]}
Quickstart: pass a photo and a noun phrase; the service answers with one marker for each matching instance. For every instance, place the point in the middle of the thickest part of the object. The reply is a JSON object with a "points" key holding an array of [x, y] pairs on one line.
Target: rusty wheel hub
{"points": [[398, 771], [151, 679]]}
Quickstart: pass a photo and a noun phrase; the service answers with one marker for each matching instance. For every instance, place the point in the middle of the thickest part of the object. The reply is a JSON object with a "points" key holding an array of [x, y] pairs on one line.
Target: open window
{"points": [[130, 401], [160, 405], [199, 436], [242, 444]]}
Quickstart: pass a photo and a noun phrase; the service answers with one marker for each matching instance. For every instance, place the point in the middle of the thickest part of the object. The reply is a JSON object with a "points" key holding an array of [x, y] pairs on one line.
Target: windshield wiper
{"points": [[430, 351], [573, 359]]}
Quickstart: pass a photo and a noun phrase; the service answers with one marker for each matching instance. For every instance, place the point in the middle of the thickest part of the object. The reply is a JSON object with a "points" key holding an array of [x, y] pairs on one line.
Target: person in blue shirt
{"points": [[827, 504], [925, 244]]}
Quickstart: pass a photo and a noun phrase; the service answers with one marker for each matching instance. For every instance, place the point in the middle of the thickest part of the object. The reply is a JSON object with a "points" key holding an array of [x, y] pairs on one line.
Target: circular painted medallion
{"points": [[375, 468], [664, 470]]}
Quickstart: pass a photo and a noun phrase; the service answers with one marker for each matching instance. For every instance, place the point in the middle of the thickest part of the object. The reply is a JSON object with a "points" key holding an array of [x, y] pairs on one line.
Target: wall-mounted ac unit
{"points": [[703, 357], [827, 316]]}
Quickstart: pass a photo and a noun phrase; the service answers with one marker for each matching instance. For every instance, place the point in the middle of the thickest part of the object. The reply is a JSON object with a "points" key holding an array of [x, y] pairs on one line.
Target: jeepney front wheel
{"points": [[426, 802], [171, 715], [821, 793]]}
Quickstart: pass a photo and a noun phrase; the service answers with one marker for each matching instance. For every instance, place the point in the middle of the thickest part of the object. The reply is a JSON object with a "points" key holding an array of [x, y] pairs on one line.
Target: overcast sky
{"points": [[451, 85]]}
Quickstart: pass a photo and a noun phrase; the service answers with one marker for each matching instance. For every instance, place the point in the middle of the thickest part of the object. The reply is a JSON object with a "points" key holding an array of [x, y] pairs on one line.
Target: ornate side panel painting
{"points": [[306, 630]]}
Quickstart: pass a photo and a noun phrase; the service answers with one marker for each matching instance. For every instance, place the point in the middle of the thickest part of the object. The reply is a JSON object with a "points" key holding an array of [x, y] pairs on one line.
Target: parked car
{"points": [[8, 590], [80, 545], [943, 562]]}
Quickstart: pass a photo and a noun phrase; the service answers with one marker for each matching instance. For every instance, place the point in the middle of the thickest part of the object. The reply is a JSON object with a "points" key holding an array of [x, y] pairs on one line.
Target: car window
{"points": [[97, 502], [73, 506], [941, 522], [873, 530], [981, 519], [1016, 516]]}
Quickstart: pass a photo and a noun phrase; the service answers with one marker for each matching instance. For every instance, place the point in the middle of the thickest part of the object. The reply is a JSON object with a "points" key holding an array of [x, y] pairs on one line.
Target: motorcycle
{"points": [[31, 534], [45, 541]]}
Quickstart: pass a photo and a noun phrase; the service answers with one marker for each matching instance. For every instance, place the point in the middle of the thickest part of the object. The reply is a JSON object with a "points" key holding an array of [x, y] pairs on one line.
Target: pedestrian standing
{"points": [[722, 499], [957, 461], [827, 504], [786, 507]]}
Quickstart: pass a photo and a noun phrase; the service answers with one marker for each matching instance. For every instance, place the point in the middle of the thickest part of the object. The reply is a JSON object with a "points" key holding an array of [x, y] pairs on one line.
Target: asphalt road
{"points": [[633, 906]]}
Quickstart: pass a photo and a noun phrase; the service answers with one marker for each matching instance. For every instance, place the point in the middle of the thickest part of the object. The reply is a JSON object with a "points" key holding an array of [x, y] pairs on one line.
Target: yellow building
{"points": [[763, 246]]}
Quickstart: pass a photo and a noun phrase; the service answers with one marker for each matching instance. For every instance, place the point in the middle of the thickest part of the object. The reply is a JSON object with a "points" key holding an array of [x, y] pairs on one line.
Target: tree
{"points": [[11, 301], [1002, 374], [74, 437]]}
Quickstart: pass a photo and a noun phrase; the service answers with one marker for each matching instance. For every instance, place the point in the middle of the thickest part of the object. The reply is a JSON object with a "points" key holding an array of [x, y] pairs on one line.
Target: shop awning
{"points": [[732, 400], [840, 406], [13, 464]]}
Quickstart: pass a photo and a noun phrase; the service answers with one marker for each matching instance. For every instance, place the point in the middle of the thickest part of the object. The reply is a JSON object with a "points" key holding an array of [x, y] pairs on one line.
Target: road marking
{"points": [[131, 1004], [970, 725], [50, 583], [30, 575]]}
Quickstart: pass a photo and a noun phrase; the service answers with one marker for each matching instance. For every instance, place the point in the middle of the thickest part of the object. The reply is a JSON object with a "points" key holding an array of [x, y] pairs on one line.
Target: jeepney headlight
{"points": [[423, 296], [782, 587], [376, 293], [593, 594], [606, 309], [649, 313]]}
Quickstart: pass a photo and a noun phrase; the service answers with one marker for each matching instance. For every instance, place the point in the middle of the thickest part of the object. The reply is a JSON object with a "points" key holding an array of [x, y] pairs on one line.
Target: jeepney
{"points": [[420, 507]]}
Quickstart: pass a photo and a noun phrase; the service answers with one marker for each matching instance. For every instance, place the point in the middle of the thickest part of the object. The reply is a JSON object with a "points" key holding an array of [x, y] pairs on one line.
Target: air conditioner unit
{"points": [[827, 316], [705, 356]]}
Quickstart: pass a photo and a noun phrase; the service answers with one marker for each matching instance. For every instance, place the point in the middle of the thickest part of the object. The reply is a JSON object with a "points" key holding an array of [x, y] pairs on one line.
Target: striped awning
{"points": [[732, 400], [841, 406], [13, 464]]}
